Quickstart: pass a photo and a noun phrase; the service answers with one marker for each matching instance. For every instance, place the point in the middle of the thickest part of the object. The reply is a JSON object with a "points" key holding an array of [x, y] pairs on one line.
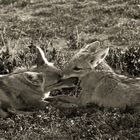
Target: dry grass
{"points": [[67, 25]]}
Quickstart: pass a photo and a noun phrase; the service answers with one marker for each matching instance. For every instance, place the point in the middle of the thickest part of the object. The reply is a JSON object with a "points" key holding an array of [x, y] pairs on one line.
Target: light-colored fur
{"points": [[24, 90], [101, 86]]}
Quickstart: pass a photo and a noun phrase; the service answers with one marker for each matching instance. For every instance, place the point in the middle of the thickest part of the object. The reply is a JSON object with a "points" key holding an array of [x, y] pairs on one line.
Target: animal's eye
{"points": [[77, 68], [91, 61], [30, 77]]}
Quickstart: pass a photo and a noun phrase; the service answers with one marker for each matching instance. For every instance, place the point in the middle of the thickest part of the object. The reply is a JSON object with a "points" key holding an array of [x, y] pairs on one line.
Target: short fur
{"points": [[101, 86], [24, 90]]}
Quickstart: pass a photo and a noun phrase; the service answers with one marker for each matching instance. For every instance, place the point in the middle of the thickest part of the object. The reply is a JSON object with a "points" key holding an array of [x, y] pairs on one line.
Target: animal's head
{"points": [[86, 60], [81, 64], [46, 75]]}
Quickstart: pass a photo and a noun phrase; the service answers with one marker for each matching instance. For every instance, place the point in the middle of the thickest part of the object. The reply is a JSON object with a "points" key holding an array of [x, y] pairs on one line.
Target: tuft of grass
{"points": [[60, 28]]}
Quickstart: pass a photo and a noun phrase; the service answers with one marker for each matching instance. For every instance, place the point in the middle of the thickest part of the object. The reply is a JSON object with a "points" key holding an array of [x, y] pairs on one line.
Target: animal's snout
{"points": [[69, 81], [59, 75]]}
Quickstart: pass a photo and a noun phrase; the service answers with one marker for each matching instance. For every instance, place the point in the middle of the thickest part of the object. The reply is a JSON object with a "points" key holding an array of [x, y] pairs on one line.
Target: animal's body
{"points": [[24, 90], [109, 90], [100, 86]]}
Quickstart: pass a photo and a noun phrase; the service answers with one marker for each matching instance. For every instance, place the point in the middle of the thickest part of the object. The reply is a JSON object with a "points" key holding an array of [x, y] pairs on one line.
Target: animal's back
{"points": [[110, 90]]}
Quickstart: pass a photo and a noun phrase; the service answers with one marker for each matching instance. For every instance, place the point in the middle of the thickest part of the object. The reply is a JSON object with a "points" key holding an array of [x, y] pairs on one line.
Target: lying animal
{"points": [[24, 90], [103, 87]]}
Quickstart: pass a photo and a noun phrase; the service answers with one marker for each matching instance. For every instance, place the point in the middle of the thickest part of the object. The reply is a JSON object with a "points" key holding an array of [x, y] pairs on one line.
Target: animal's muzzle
{"points": [[71, 80]]}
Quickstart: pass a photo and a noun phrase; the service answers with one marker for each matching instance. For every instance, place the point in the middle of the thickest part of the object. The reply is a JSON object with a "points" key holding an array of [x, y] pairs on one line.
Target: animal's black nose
{"points": [[60, 76], [74, 80]]}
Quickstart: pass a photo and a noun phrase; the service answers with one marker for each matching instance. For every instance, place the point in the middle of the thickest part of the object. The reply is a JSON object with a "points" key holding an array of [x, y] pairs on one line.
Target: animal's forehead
{"points": [[77, 63]]}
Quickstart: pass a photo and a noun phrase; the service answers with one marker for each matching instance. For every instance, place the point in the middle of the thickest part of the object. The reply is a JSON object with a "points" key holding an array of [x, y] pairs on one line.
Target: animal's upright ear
{"points": [[34, 78], [97, 54], [100, 57], [93, 47], [41, 59], [90, 48], [94, 53]]}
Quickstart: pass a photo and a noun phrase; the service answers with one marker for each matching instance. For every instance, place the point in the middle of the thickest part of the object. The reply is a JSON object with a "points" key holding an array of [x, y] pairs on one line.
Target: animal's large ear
{"points": [[94, 53], [100, 57], [90, 48], [34, 78], [97, 53], [41, 59]]}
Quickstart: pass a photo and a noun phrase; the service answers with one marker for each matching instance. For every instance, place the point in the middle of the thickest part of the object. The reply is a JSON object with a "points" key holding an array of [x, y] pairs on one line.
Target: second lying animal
{"points": [[102, 87], [24, 90]]}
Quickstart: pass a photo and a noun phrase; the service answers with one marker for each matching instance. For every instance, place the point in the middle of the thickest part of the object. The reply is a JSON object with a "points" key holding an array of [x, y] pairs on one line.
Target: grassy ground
{"points": [[68, 25]]}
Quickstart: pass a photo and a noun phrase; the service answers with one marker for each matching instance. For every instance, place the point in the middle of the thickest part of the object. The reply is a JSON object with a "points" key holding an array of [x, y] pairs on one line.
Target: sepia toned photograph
{"points": [[69, 69]]}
